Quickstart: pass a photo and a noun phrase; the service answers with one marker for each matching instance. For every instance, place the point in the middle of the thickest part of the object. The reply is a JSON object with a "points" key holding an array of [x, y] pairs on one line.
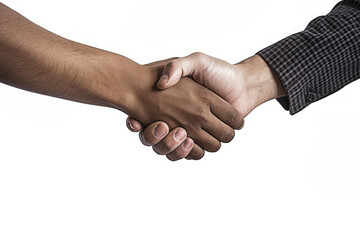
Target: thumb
{"points": [[176, 69]]}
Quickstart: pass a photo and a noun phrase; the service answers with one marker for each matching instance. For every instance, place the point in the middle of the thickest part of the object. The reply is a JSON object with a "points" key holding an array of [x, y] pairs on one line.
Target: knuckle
{"points": [[166, 146], [229, 112], [173, 63], [201, 115], [198, 55], [203, 94], [234, 118], [232, 115]]}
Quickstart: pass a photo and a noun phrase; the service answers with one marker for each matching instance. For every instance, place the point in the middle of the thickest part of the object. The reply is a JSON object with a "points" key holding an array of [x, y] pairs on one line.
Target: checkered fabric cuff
{"points": [[320, 60]]}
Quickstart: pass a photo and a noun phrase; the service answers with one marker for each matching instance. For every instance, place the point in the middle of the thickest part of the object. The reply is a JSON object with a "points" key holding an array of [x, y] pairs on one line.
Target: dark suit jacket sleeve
{"points": [[320, 60]]}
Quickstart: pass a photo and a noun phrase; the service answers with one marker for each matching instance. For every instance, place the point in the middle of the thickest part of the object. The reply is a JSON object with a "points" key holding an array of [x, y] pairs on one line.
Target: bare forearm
{"points": [[34, 59]]}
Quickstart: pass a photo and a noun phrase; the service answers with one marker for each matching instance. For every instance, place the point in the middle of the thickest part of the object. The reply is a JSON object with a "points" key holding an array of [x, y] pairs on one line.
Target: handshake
{"points": [[196, 102], [188, 105]]}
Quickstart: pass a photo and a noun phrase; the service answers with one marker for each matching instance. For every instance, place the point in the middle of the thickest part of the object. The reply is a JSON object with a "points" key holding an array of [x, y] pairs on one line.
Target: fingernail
{"points": [[164, 79], [188, 158], [159, 131], [131, 126], [179, 135], [187, 144]]}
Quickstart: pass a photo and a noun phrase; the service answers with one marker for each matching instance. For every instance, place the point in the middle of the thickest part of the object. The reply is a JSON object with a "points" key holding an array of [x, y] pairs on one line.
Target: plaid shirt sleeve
{"points": [[320, 60]]}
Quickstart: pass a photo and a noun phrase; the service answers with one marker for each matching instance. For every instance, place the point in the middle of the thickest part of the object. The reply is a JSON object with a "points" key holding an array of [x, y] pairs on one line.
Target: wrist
{"points": [[261, 82], [113, 80]]}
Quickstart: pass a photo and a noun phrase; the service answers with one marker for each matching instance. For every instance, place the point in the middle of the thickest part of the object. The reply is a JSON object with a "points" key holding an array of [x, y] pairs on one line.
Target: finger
{"points": [[226, 113], [206, 141], [196, 153], [242, 126], [133, 125], [172, 141], [181, 67], [160, 63], [181, 151], [154, 133], [219, 130], [172, 73]]}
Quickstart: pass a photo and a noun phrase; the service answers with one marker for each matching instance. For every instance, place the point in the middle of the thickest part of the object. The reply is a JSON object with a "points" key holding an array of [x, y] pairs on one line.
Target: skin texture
{"points": [[201, 112], [245, 86], [34, 59]]}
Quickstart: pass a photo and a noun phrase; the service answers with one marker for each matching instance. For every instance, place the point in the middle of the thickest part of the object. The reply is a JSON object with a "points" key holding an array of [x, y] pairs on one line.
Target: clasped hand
{"points": [[233, 83], [244, 86], [198, 118]]}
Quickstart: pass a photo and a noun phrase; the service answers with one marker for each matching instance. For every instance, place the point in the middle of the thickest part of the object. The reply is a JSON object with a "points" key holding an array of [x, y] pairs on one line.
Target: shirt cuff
{"points": [[320, 60]]}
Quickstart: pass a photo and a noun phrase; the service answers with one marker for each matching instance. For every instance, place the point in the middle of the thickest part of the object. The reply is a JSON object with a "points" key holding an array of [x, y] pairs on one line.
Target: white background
{"points": [[74, 171]]}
